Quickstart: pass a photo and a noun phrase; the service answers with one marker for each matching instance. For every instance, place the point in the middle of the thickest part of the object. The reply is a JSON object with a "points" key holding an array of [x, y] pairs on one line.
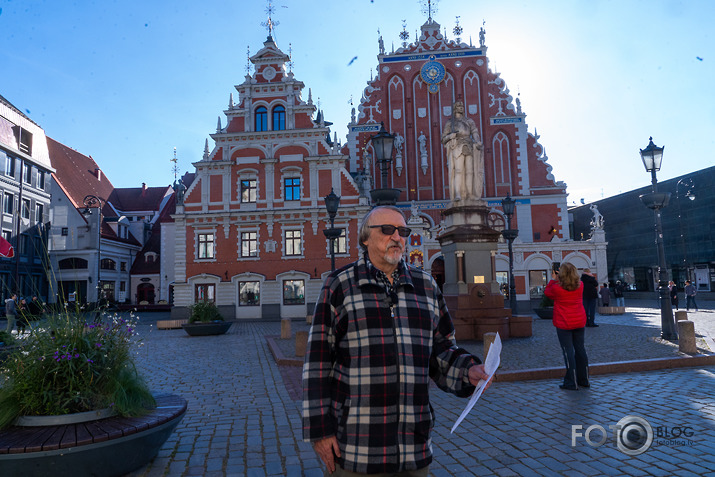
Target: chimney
{"points": [[98, 173], [143, 188]]}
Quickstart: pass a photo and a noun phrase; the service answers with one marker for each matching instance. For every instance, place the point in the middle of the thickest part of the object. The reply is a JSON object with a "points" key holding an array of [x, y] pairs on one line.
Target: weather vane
{"points": [[429, 7], [248, 59], [404, 34], [270, 24], [175, 167], [290, 57], [457, 30]]}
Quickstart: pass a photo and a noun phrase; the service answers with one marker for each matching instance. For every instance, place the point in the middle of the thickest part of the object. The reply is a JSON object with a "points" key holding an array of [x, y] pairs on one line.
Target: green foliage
{"points": [[546, 302], [71, 364], [6, 338], [204, 312]]}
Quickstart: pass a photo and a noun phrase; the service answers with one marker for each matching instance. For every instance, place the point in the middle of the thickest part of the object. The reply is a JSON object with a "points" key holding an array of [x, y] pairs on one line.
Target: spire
{"points": [[175, 167], [270, 24], [310, 96], [248, 61], [230, 101], [206, 151], [218, 126], [429, 7]]}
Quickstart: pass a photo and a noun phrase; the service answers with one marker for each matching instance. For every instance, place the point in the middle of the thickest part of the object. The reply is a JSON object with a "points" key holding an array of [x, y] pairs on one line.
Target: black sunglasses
{"points": [[390, 229]]}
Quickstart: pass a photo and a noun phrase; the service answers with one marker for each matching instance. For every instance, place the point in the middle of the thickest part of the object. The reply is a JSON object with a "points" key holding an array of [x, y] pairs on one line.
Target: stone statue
{"points": [[423, 144], [597, 221], [399, 140], [465, 152], [180, 190]]}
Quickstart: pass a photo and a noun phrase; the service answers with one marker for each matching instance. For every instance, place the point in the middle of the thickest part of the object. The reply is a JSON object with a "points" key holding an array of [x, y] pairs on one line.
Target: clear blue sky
{"points": [[126, 81]]}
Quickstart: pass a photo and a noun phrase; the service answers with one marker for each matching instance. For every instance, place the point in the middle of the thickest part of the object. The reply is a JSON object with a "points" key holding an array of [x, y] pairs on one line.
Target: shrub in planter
{"points": [[73, 364], [204, 312]]}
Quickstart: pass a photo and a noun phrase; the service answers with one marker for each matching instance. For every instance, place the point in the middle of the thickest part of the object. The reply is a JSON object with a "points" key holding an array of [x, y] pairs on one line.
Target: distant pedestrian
{"points": [[673, 294], [690, 292], [569, 319], [22, 316], [590, 296], [10, 311], [605, 293], [35, 308], [618, 294]]}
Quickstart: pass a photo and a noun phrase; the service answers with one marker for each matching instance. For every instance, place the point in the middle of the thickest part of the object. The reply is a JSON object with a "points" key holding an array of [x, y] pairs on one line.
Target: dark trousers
{"points": [[690, 301], [589, 304], [572, 346]]}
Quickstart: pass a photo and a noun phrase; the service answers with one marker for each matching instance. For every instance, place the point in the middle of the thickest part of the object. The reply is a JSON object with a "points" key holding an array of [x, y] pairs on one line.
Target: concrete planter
{"points": [[207, 329]]}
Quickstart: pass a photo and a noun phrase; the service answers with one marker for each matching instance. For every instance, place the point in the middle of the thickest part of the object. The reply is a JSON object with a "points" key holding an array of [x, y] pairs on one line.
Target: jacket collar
{"points": [[366, 273]]}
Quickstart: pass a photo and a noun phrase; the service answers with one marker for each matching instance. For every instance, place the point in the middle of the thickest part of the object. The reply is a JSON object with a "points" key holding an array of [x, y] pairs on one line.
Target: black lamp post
{"points": [[332, 202], [383, 144], [690, 194], [90, 202], [510, 234], [652, 157]]}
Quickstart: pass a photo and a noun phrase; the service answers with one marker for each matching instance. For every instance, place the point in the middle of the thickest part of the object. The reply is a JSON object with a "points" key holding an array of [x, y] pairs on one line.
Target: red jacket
{"points": [[569, 313]]}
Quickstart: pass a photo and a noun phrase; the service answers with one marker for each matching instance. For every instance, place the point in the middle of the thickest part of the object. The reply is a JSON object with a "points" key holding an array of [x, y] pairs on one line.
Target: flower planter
{"points": [[207, 329], [546, 313], [109, 447]]}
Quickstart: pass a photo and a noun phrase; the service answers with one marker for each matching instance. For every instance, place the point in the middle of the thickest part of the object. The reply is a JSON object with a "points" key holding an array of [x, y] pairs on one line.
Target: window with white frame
{"points": [[40, 179], [248, 190], [25, 210], [205, 248], [249, 293], [293, 292], [340, 244], [27, 174], [9, 165], [249, 244], [293, 242], [8, 203], [39, 212], [291, 188]]}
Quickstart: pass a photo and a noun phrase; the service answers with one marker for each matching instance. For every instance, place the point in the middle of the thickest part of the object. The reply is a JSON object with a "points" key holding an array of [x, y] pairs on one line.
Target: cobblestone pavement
{"points": [[243, 421]]}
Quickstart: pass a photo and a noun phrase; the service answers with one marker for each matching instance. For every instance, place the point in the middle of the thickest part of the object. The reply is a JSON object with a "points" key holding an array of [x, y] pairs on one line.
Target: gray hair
{"points": [[365, 226]]}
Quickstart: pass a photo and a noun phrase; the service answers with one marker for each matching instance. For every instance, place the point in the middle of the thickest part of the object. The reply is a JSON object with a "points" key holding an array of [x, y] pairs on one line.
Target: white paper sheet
{"points": [[491, 363]]}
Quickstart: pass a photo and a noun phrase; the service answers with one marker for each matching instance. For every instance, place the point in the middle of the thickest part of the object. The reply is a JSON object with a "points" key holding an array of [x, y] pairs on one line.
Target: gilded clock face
{"points": [[432, 73]]}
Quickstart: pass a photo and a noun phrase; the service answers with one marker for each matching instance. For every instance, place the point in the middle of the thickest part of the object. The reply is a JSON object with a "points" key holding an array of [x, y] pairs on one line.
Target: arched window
{"points": [[279, 118], [261, 119]]}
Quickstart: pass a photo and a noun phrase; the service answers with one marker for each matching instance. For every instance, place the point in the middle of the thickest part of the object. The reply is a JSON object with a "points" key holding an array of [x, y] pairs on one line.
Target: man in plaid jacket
{"points": [[381, 330]]}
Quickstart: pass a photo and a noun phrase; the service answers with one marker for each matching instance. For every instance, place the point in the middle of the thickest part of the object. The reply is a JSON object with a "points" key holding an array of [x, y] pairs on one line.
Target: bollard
{"points": [[681, 315], [309, 319], [488, 340], [301, 343], [285, 329], [686, 337]]}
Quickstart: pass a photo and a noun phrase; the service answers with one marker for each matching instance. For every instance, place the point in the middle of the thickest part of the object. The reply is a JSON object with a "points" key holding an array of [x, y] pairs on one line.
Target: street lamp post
{"points": [[332, 202], [652, 157], [90, 202], [510, 234], [690, 194], [383, 145]]}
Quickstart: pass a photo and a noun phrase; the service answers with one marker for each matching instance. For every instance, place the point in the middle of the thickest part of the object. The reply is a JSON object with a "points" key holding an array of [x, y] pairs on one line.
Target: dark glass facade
{"points": [[688, 232]]}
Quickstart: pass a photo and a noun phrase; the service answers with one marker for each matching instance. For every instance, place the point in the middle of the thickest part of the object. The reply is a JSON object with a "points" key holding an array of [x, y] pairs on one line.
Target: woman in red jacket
{"points": [[566, 289]]}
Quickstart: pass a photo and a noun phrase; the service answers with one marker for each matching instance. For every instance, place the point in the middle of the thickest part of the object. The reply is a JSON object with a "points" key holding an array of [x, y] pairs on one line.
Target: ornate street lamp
{"points": [[90, 202], [507, 205], [383, 145], [332, 202], [652, 157]]}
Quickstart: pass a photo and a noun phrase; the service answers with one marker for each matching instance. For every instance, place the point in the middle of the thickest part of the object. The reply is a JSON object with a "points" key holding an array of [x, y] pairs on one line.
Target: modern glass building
{"points": [[688, 232]]}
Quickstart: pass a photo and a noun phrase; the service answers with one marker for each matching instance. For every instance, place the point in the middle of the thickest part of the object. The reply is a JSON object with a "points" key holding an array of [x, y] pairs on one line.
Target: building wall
{"points": [[688, 232]]}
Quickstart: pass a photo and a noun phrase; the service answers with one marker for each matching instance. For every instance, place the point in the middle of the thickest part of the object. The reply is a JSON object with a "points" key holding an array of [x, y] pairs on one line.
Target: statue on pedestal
{"points": [[465, 152]]}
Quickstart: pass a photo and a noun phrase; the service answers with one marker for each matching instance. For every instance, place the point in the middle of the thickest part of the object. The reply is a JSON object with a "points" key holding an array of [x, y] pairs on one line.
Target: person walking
{"points": [[673, 288], [10, 311], [380, 331], [566, 290], [690, 292], [590, 296], [618, 294]]}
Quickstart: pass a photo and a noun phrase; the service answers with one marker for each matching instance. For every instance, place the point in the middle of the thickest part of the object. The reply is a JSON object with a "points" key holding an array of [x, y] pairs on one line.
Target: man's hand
{"points": [[327, 449], [477, 373]]}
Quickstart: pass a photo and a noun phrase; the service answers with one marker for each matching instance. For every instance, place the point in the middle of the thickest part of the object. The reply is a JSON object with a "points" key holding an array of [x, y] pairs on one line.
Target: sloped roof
{"points": [[78, 175], [129, 199]]}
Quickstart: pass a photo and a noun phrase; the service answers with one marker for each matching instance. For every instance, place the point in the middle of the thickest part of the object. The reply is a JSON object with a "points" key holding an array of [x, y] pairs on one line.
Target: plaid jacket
{"points": [[367, 368]]}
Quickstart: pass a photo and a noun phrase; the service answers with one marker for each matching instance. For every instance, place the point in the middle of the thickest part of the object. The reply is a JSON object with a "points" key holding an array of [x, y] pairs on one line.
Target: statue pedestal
{"points": [[470, 290]]}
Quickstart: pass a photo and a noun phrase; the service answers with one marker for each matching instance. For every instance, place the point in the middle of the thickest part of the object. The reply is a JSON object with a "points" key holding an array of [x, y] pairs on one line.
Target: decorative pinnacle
{"points": [[429, 7], [175, 167], [248, 59], [404, 34], [457, 30], [270, 24]]}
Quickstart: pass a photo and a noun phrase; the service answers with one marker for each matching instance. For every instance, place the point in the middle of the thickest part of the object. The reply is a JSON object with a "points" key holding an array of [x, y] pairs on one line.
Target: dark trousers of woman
{"points": [[572, 346]]}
